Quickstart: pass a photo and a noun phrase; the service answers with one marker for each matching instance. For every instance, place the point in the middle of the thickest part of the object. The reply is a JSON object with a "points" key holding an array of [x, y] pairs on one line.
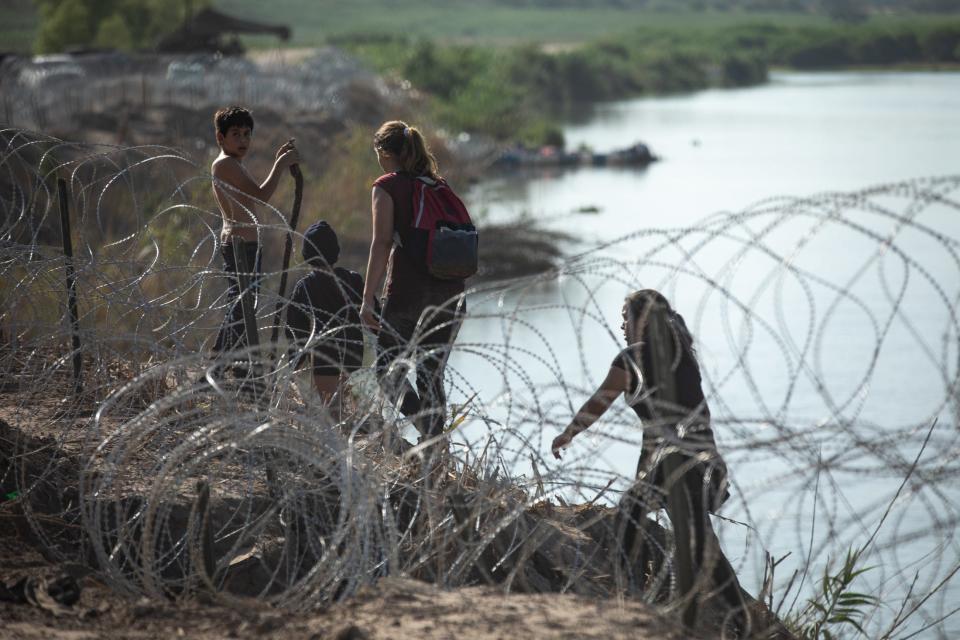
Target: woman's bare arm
{"points": [[609, 390], [380, 244]]}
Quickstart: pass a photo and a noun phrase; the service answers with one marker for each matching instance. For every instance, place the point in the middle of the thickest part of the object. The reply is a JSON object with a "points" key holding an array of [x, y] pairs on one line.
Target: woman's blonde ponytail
{"points": [[408, 145]]}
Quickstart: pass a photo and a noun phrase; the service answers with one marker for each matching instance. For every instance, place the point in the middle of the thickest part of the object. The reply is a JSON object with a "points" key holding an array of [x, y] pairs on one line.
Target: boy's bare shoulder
{"points": [[228, 169], [223, 162]]}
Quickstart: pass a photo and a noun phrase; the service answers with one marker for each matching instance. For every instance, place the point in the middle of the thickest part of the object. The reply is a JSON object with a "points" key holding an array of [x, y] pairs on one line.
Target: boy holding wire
{"points": [[238, 195]]}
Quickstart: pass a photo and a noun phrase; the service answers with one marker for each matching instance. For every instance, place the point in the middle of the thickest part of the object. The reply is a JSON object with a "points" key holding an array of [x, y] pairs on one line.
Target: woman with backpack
{"points": [[660, 379], [422, 313]]}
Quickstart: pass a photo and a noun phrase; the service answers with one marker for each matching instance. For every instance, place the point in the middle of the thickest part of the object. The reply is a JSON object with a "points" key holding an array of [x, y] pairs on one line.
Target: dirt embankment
{"points": [[42, 537], [394, 608]]}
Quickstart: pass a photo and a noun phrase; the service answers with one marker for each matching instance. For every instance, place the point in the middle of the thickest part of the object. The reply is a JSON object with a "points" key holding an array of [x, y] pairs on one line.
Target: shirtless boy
{"points": [[238, 195]]}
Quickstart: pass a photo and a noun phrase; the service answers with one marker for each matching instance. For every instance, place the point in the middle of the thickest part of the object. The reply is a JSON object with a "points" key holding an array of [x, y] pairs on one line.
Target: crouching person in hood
{"points": [[323, 317]]}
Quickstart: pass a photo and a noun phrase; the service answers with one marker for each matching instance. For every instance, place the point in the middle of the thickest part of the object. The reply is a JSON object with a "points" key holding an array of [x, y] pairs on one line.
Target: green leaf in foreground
{"points": [[836, 607]]}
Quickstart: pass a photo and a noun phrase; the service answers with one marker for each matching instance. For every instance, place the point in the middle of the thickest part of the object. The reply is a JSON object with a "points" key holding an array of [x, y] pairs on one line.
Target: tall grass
{"points": [[835, 606]]}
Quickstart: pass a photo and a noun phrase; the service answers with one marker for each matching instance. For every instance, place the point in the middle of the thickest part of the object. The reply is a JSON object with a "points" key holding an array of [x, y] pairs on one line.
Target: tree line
{"points": [[520, 93], [114, 24]]}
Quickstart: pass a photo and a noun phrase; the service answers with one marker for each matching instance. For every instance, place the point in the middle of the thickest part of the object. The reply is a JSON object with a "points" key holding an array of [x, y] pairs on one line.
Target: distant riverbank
{"points": [[522, 93]]}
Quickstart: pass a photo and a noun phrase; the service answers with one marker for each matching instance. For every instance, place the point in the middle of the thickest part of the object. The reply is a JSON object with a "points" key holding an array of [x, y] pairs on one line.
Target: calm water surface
{"points": [[778, 343], [726, 149]]}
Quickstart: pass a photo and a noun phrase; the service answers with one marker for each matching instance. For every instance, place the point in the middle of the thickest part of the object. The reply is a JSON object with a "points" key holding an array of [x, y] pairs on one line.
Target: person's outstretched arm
{"points": [[382, 207], [232, 173], [609, 390]]}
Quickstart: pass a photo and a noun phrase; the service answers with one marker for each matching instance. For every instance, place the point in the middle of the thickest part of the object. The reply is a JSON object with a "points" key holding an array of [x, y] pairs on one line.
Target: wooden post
{"points": [[662, 341], [71, 283], [287, 249], [202, 507]]}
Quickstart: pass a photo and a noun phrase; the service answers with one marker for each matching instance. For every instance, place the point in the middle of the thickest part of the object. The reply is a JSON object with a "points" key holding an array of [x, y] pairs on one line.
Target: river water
{"points": [[799, 229]]}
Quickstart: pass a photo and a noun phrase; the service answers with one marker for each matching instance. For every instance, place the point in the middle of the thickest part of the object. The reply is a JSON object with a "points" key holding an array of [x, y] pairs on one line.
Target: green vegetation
{"points": [[809, 6], [120, 24], [517, 92], [547, 61], [877, 43], [835, 606], [18, 24], [482, 22], [490, 22], [510, 22]]}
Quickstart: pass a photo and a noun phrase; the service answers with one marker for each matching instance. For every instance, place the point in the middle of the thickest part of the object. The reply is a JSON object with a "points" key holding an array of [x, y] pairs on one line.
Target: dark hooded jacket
{"points": [[330, 297]]}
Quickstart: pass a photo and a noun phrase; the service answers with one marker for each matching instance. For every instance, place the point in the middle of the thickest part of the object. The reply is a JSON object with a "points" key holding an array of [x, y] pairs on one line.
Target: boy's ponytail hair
{"points": [[408, 145]]}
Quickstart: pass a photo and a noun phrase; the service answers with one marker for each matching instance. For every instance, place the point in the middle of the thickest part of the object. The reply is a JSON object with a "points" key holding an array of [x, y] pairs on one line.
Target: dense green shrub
{"points": [[743, 70], [866, 45], [886, 48], [443, 71], [940, 43], [121, 24], [818, 49]]}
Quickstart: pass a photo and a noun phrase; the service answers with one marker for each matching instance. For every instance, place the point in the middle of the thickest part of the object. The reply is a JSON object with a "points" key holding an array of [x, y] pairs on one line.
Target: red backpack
{"points": [[441, 235]]}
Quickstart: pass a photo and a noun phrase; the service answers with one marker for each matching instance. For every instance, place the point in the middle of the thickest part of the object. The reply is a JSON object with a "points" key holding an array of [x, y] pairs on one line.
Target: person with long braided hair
{"points": [[662, 384]]}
